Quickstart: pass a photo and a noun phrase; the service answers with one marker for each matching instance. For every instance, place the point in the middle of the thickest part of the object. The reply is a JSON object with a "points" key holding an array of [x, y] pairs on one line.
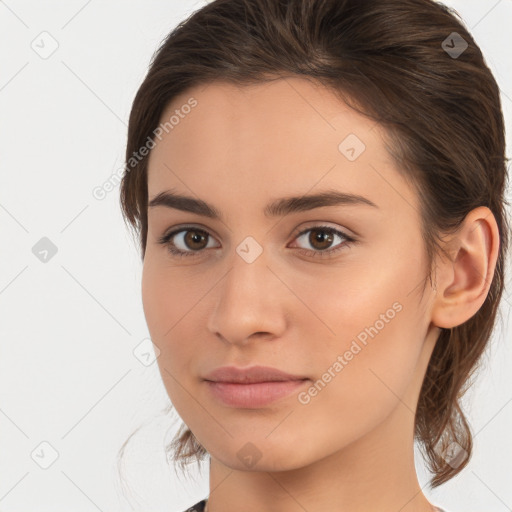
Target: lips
{"points": [[254, 395], [253, 374], [253, 387]]}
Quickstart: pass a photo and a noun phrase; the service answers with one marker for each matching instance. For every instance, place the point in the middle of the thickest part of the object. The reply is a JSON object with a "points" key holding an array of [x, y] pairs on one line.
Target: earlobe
{"points": [[465, 280]]}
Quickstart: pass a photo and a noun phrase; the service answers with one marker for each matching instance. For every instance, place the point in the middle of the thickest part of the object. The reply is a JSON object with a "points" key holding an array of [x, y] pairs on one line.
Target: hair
{"points": [[443, 124]]}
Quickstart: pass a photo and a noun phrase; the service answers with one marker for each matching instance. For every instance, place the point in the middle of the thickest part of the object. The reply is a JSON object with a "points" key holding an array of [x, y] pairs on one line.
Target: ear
{"points": [[463, 281]]}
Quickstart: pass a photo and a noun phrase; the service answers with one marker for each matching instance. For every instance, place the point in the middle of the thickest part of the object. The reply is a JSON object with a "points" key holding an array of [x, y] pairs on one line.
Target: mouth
{"points": [[252, 374], [253, 395]]}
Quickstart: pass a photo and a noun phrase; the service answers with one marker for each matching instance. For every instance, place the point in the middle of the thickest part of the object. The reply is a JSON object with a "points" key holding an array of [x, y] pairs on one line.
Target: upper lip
{"points": [[251, 374]]}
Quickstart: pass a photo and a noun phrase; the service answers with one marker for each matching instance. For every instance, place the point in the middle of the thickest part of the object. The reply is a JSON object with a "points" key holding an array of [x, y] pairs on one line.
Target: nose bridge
{"points": [[247, 298]]}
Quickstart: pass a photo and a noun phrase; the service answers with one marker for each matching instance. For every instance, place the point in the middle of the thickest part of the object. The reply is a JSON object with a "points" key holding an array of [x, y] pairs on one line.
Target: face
{"points": [[327, 291]]}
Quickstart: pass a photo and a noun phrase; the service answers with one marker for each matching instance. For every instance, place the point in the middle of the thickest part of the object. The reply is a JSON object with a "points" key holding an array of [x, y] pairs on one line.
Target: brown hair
{"points": [[391, 61]]}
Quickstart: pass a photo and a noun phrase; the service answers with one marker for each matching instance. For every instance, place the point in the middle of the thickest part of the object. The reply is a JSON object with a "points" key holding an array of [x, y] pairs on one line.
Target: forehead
{"points": [[269, 139]]}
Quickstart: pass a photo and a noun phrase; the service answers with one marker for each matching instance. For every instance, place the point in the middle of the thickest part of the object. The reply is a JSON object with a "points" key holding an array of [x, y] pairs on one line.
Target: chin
{"points": [[259, 455]]}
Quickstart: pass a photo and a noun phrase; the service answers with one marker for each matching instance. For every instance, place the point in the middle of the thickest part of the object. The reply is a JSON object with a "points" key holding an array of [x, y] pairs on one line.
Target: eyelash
{"points": [[165, 240]]}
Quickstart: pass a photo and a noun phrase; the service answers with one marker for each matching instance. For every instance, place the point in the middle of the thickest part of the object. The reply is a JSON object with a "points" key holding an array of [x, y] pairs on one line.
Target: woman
{"points": [[318, 191]]}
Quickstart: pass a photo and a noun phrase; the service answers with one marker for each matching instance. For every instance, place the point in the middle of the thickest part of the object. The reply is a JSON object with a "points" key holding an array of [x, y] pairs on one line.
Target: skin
{"points": [[351, 447]]}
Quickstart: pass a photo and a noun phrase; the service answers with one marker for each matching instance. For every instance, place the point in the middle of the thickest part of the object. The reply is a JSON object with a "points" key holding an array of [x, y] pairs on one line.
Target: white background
{"points": [[68, 328]]}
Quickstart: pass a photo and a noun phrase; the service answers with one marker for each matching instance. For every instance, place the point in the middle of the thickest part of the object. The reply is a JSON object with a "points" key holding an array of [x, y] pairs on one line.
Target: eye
{"points": [[320, 237], [190, 241], [188, 237]]}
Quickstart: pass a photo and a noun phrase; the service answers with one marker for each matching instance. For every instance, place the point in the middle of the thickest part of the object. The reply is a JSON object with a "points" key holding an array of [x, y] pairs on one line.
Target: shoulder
{"points": [[198, 507]]}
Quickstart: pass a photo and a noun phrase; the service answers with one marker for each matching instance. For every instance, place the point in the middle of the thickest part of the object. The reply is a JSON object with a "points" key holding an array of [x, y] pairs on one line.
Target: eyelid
{"points": [[321, 223], [183, 227]]}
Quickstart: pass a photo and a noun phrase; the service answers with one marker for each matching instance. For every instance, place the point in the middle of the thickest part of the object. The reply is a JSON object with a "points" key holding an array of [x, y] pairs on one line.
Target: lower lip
{"points": [[253, 395]]}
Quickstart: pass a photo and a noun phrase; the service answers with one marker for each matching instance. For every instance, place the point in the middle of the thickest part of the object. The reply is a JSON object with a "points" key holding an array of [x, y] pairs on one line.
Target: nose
{"points": [[250, 301]]}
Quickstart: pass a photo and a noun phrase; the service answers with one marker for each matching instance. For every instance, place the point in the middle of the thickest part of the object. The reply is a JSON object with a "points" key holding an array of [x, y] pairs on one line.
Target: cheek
{"points": [[376, 327], [364, 374], [163, 310], [169, 304], [374, 296], [166, 297], [155, 301]]}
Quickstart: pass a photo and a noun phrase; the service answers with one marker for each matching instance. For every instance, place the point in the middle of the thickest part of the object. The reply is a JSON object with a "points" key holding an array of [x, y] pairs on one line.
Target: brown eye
{"points": [[186, 241], [320, 240], [194, 239]]}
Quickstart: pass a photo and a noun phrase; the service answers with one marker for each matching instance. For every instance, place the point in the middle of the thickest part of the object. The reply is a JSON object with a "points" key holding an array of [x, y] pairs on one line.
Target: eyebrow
{"points": [[276, 208]]}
